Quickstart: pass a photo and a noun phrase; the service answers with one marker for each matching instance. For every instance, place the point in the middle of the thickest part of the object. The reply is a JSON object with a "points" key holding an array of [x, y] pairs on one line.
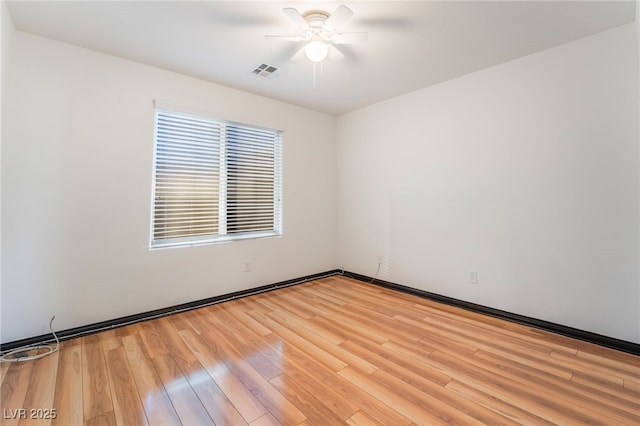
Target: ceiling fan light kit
{"points": [[316, 51], [320, 31]]}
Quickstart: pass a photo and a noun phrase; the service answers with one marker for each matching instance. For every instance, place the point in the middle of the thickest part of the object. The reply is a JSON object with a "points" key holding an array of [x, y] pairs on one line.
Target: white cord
{"points": [[377, 272], [49, 349], [344, 274]]}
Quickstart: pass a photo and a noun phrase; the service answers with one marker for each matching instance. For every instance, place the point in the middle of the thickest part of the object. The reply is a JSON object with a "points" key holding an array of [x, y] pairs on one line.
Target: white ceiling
{"points": [[411, 44]]}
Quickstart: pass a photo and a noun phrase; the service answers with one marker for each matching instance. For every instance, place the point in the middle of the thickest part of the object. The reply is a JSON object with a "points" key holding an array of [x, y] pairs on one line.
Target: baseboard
{"points": [[586, 336], [132, 319]]}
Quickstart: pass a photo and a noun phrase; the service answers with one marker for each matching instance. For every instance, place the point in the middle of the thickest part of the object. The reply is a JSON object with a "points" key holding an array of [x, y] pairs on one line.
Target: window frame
{"points": [[222, 234]]}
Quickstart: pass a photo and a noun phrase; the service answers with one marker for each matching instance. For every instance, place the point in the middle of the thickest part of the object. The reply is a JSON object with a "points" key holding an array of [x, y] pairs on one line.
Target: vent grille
{"points": [[265, 70]]}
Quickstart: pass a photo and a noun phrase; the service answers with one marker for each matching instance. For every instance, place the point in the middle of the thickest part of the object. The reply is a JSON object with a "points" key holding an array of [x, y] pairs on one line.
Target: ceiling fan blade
{"points": [[349, 38], [284, 37], [335, 54], [338, 18], [295, 16]]}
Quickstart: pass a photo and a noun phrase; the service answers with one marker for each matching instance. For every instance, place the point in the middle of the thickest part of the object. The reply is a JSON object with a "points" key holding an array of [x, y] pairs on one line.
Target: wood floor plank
{"points": [[493, 403], [172, 340], [471, 320], [498, 337], [598, 369], [127, 330], [266, 420], [246, 403], [213, 399], [127, 406], [307, 324], [280, 303], [326, 296], [178, 321], [14, 391], [633, 386], [329, 351], [240, 314], [560, 389], [365, 296], [319, 341], [350, 394], [533, 399], [106, 419], [254, 333], [68, 400], [4, 367], [446, 337], [390, 396], [350, 330], [442, 404], [414, 350], [582, 346], [193, 321], [41, 391], [276, 403], [96, 391], [624, 392], [185, 401], [312, 409], [319, 354], [224, 325], [375, 321], [397, 362], [575, 393], [362, 419], [306, 304], [433, 391], [151, 339], [614, 365], [155, 400], [110, 340], [324, 393]]}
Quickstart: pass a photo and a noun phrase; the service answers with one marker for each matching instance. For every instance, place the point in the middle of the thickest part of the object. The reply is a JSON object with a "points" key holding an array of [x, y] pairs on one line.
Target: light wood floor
{"points": [[328, 352]]}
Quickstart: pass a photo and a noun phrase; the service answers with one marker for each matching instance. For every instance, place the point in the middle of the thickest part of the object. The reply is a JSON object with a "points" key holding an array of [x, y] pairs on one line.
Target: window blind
{"points": [[213, 180]]}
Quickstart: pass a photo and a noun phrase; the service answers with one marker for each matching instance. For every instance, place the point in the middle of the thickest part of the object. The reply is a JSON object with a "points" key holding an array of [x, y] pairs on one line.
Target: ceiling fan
{"points": [[321, 33]]}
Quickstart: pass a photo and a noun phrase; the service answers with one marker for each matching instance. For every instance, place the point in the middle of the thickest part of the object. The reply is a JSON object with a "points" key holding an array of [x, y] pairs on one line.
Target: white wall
{"points": [[6, 34], [637, 27], [526, 172], [76, 181]]}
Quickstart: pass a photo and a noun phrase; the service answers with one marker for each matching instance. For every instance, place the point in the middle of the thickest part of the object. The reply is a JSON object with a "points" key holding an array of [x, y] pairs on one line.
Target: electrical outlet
{"points": [[473, 277], [247, 266], [380, 259]]}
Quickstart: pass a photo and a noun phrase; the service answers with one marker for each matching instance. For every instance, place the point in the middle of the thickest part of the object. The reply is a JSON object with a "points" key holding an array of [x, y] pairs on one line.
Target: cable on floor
{"points": [[22, 354]]}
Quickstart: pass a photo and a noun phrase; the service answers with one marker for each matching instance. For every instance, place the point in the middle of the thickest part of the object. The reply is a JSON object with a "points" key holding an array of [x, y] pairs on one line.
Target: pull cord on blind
{"points": [[213, 180]]}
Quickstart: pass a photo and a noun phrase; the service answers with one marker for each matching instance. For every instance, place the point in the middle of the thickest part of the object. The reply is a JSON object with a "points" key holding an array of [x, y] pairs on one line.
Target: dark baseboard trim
{"points": [[586, 336], [131, 319]]}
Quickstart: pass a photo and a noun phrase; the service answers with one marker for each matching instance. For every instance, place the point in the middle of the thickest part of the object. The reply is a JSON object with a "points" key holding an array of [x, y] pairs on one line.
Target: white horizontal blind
{"points": [[250, 179], [213, 181]]}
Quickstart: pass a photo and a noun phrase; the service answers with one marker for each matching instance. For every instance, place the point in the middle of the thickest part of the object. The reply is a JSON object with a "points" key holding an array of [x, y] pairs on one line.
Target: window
{"points": [[213, 181]]}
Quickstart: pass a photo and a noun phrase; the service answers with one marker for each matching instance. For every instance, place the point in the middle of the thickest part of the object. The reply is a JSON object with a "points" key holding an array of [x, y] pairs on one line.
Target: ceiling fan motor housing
{"points": [[316, 18]]}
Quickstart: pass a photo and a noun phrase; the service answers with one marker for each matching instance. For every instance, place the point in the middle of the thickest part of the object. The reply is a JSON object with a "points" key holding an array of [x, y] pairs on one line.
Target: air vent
{"points": [[265, 70]]}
